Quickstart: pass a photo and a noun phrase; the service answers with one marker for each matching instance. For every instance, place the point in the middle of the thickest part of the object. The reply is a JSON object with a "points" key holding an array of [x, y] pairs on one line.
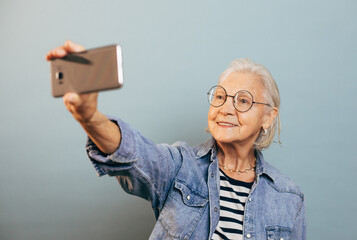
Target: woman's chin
{"points": [[226, 139]]}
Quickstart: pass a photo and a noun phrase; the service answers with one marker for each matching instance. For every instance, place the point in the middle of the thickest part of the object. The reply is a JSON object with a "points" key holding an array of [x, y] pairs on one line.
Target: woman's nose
{"points": [[228, 107]]}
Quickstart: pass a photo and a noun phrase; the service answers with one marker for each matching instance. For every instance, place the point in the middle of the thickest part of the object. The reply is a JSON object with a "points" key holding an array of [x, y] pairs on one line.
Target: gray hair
{"points": [[271, 95]]}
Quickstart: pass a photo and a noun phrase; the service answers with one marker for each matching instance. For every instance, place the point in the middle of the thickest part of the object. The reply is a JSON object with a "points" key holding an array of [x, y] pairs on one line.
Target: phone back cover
{"points": [[93, 70]]}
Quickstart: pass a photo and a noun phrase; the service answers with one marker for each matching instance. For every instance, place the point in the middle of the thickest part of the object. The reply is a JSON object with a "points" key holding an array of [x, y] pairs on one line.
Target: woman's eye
{"points": [[243, 101]]}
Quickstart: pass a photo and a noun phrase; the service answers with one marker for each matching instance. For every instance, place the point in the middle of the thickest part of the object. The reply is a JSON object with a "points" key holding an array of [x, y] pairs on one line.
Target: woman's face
{"points": [[229, 126]]}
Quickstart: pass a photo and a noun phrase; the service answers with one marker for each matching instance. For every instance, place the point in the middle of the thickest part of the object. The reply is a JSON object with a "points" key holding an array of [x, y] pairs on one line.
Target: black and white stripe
{"points": [[233, 195]]}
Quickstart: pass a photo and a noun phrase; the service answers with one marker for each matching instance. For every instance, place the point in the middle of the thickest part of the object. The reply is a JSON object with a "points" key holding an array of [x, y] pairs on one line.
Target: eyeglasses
{"points": [[242, 100]]}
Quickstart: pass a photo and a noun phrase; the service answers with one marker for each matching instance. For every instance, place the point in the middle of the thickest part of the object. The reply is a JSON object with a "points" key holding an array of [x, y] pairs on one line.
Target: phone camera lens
{"points": [[59, 75]]}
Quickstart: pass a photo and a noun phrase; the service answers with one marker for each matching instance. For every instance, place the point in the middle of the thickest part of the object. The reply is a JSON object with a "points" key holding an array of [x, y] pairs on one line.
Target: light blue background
{"points": [[174, 52]]}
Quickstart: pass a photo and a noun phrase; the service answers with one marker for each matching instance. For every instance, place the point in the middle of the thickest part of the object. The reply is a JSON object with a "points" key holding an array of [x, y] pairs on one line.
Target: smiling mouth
{"points": [[225, 124]]}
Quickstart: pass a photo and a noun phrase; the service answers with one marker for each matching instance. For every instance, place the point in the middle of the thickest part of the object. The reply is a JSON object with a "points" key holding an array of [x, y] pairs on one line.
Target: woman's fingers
{"points": [[73, 47], [56, 53], [62, 51]]}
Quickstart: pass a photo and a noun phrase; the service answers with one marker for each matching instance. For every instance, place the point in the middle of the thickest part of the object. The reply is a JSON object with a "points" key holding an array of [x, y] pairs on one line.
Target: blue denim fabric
{"points": [[182, 184]]}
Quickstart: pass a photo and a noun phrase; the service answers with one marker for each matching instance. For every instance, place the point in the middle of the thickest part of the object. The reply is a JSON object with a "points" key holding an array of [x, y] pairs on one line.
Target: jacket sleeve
{"points": [[300, 224], [141, 167]]}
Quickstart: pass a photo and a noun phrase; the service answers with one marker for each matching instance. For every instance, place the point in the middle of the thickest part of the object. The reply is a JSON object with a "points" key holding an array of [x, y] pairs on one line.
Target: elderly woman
{"points": [[221, 189]]}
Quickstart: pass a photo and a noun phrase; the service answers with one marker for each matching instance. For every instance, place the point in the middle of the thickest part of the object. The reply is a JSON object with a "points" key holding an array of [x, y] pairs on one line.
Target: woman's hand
{"points": [[82, 106], [104, 133]]}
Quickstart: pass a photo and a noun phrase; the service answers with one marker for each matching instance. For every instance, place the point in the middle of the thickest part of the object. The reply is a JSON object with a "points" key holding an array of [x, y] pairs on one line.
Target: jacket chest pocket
{"points": [[182, 211], [278, 233]]}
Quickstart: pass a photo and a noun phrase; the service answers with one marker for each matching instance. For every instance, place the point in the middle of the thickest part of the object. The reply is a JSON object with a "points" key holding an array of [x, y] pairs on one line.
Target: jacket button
{"points": [[250, 199], [212, 175], [188, 197], [248, 235], [216, 209]]}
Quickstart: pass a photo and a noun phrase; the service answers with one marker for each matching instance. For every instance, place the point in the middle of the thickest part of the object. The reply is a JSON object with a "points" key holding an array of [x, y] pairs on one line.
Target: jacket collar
{"points": [[262, 167], [206, 147]]}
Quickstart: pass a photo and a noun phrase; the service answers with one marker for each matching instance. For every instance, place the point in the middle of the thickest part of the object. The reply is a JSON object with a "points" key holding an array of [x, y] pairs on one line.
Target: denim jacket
{"points": [[182, 184]]}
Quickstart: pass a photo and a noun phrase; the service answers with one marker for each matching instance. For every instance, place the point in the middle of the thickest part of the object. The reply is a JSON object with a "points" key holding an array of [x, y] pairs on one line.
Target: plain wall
{"points": [[173, 53]]}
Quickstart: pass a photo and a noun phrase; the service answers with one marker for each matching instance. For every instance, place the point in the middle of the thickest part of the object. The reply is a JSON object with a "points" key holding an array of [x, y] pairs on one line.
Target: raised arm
{"points": [[83, 107]]}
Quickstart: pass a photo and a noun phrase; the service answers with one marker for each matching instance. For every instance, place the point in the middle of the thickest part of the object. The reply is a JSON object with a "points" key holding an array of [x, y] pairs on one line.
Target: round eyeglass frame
{"points": [[233, 97]]}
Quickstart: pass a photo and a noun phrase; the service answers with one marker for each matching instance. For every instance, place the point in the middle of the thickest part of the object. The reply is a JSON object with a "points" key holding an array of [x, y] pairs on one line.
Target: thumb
{"points": [[72, 99]]}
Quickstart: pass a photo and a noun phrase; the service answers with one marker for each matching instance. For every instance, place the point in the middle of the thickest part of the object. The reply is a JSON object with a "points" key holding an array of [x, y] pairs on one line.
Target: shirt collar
{"points": [[262, 167]]}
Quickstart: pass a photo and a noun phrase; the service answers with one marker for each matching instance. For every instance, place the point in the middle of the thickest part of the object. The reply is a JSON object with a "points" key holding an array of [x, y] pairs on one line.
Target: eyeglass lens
{"points": [[242, 101]]}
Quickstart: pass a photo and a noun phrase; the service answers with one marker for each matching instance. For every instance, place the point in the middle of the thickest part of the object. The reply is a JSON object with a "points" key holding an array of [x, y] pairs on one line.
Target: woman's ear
{"points": [[269, 117]]}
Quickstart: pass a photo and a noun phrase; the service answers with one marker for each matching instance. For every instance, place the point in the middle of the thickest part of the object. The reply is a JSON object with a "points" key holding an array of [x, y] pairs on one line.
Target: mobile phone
{"points": [[92, 70]]}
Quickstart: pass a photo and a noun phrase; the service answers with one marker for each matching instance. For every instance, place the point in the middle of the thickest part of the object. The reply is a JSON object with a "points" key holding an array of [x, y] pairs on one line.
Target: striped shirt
{"points": [[233, 195]]}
